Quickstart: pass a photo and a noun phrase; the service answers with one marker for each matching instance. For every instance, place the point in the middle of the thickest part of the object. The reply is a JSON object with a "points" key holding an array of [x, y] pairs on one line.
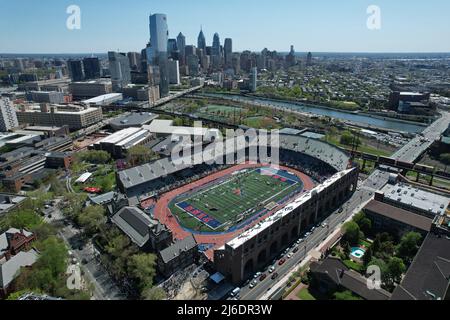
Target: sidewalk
{"points": [[313, 253]]}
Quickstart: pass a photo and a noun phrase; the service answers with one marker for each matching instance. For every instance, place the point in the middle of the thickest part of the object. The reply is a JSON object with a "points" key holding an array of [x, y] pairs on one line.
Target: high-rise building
{"points": [[216, 45], [290, 58], [174, 72], [181, 44], [157, 53], [254, 79], [135, 60], [193, 63], [201, 41], [189, 50], [8, 116], [309, 59], [172, 49], [76, 70], [228, 51], [91, 68], [119, 66]]}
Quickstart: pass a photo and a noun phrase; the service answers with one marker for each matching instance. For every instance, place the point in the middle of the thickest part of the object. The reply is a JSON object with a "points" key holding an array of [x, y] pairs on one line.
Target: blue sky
{"points": [[30, 26]]}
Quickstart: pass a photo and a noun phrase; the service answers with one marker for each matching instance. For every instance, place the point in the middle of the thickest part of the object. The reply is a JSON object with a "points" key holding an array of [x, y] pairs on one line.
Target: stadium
{"points": [[223, 205]]}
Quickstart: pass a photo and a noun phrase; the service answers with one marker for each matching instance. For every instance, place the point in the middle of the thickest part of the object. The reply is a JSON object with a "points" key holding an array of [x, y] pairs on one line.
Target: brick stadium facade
{"points": [[243, 255]]}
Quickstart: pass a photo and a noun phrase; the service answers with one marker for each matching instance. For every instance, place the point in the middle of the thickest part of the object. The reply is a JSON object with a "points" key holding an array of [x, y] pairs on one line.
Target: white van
{"points": [[235, 292]]}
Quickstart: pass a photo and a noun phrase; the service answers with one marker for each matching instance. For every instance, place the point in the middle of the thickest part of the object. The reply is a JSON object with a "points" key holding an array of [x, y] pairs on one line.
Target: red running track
{"points": [[163, 214]]}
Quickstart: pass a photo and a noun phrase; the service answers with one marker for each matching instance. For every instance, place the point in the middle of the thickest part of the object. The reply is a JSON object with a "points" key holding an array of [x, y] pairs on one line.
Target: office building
{"points": [[119, 66], [76, 70], [181, 44], [91, 68], [228, 51], [104, 100], [90, 89], [174, 72], [157, 52], [193, 65], [254, 79], [47, 96], [216, 45], [201, 41], [172, 49], [8, 117], [74, 116]]}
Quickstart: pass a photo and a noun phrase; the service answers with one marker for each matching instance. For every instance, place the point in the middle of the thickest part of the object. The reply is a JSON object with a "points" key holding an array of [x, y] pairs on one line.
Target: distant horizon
{"points": [[316, 26]]}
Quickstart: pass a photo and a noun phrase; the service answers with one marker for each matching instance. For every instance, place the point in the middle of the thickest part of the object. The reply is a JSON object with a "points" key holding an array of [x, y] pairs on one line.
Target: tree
{"points": [[367, 256], [24, 219], [142, 268], [445, 158], [154, 293], [92, 218], [364, 223], [351, 232], [138, 155], [345, 295], [395, 268], [93, 156], [408, 246]]}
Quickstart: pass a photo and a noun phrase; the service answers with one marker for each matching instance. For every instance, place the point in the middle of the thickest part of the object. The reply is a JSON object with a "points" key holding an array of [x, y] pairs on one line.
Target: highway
{"points": [[410, 152]]}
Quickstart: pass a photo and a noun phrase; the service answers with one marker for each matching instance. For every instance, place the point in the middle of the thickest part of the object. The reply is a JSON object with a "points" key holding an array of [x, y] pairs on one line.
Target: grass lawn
{"points": [[335, 140], [304, 294], [261, 122], [354, 265]]}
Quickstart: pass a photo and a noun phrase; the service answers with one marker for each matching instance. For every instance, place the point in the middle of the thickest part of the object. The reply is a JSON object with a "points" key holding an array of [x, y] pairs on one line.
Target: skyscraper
{"points": [[216, 45], [8, 116], [228, 51], [157, 52], [181, 44], [172, 49], [91, 68], [119, 66], [76, 70], [254, 79], [201, 41], [309, 59]]}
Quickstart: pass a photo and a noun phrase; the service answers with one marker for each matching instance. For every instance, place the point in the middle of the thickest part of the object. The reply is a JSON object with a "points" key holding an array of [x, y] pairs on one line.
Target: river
{"points": [[361, 119]]}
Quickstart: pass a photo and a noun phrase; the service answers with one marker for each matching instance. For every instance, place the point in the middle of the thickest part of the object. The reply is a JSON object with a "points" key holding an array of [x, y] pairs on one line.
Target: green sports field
{"points": [[233, 199]]}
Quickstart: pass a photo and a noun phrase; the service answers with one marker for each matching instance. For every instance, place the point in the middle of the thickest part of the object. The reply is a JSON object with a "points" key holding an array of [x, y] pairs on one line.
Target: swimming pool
{"points": [[357, 252]]}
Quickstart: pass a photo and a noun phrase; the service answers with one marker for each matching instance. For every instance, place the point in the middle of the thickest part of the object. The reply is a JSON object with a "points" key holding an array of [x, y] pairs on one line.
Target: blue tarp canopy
{"points": [[217, 277]]}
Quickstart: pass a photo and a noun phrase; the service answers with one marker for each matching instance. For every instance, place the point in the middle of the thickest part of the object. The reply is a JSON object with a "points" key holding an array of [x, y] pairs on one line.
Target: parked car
{"points": [[274, 276], [290, 255], [263, 277], [295, 250], [281, 262], [253, 284], [271, 269], [256, 275]]}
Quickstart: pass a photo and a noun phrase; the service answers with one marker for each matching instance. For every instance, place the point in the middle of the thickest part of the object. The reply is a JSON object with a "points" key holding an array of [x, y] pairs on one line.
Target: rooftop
{"points": [[10, 269], [177, 248], [406, 217], [416, 198], [135, 223], [428, 276], [133, 119]]}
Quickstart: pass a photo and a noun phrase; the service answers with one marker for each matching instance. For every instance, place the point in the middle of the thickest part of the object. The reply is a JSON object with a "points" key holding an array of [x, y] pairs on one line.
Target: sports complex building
{"points": [[244, 215]]}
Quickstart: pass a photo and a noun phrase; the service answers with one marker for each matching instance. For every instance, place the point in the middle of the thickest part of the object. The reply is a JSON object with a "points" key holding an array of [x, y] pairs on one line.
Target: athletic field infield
{"points": [[224, 204]]}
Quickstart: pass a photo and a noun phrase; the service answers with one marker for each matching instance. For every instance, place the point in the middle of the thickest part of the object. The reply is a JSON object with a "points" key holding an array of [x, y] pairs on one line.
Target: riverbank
{"points": [[363, 120]]}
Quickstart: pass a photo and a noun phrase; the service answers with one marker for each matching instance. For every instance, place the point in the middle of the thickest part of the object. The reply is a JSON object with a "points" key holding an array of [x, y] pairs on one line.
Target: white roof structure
{"points": [[166, 127], [104, 99], [10, 269], [413, 197], [84, 177]]}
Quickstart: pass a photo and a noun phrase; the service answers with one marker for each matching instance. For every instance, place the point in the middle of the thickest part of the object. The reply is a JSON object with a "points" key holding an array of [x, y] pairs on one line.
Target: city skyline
{"points": [[324, 27]]}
